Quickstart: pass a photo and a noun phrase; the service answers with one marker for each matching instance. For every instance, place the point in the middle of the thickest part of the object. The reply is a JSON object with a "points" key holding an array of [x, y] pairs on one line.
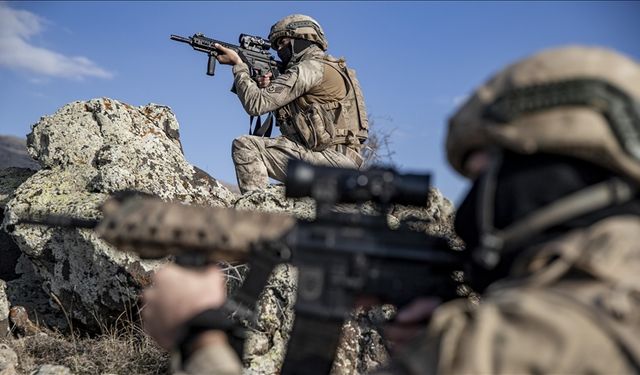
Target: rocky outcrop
{"points": [[89, 150]]}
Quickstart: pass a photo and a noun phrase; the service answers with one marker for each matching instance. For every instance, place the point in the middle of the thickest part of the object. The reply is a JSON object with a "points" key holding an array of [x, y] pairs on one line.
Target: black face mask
{"points": [[285, 54], [526, 183], [294, 48]]}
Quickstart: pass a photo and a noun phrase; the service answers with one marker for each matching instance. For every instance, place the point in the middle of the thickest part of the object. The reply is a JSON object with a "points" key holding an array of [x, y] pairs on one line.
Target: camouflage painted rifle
{"points": [[339, 256]]}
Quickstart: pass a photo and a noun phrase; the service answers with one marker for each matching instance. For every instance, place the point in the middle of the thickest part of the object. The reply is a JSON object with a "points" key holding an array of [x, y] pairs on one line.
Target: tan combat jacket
{"points": [[572, 307], [307, 77], [314, 78]]}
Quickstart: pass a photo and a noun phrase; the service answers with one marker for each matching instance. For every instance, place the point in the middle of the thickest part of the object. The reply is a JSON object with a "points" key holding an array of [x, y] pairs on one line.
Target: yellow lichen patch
{"points": [[107, 104]]}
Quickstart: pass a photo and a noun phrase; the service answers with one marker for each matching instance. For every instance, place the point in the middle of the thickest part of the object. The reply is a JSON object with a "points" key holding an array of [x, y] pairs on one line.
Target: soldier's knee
{"points": [[243, 149], [242, 142]]}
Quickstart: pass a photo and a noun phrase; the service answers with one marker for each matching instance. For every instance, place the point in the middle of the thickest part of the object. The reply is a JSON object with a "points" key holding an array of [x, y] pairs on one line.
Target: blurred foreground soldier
{"points": [[551, 223], [318, 103]]}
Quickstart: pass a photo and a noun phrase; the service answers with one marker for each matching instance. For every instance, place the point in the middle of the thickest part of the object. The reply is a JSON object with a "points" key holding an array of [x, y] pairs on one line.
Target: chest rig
{"points": [[320, 125]]}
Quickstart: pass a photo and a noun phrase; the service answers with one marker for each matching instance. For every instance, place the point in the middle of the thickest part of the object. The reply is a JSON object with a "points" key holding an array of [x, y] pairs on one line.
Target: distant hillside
{"points": [[13, 153]]}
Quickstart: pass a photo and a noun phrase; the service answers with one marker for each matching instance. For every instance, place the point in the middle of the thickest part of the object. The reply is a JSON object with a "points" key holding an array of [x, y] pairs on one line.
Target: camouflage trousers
{"points": [[258, 158]]}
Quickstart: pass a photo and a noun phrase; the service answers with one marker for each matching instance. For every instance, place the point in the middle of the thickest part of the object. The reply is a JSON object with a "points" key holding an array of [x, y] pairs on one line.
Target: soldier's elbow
{"points": [[252, 111]]}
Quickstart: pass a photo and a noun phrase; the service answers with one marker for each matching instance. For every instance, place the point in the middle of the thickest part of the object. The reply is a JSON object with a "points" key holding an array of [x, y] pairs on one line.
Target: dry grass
{"points": [[121, 347], [118, 352], [378, 148]]}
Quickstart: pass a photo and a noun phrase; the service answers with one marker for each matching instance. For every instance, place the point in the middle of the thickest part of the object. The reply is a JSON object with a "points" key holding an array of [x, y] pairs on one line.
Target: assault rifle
{"points": [[253, 50], [344, 255], [339, 255]]}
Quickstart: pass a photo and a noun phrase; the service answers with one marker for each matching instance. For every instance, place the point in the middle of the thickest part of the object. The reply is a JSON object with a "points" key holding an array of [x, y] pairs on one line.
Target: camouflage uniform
{"points": [[311, 78], [258, 158], [542, 320]]}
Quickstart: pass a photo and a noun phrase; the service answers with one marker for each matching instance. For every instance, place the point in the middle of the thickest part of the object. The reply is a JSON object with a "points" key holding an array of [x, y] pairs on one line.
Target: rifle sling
{"points": [[312, 345], [262, 129], [260, 268]]}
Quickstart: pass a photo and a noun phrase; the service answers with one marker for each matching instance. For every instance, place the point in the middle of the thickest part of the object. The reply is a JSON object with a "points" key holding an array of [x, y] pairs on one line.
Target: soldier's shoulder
{"points": [[310, 65], [310, 71]]}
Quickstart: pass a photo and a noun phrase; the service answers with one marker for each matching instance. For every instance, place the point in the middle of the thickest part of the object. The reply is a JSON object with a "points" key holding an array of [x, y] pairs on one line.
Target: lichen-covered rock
{"points": [[52, 370], [89, 150], [4, 310], [361, 348], [8, 360], [21, 323], [266, 343], [27, 291], [127, 147], [272, 199], [436, 218]]}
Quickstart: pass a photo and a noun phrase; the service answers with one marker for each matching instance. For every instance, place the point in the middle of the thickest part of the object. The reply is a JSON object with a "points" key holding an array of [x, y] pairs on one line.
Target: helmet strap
{"points": [[489, 253], [299, 47]]}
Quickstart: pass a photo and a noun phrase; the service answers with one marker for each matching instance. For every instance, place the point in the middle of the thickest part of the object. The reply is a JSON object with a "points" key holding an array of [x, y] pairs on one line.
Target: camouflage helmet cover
{"points": [[557, 126], [298, 26]]}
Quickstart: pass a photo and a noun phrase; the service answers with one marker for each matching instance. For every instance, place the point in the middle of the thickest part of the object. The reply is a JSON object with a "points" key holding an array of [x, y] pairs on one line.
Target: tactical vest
{"points": [[322, 125]]}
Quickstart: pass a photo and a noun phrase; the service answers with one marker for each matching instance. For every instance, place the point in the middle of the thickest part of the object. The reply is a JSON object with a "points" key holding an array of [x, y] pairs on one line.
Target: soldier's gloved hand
{"points": [[264, 81], [227, 56], [409, 322], [177, 295]]}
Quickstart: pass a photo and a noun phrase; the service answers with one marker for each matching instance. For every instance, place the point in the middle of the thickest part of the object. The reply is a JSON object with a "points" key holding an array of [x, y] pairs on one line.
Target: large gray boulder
{"points": [[88, 150]]}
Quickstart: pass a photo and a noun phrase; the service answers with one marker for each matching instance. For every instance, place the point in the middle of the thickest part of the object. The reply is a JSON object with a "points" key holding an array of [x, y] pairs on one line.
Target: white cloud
{"points": [[17, 27]]}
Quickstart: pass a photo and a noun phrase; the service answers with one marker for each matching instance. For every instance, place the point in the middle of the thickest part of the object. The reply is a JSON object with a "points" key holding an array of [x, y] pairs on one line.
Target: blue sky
{"points": [[415, 61]]}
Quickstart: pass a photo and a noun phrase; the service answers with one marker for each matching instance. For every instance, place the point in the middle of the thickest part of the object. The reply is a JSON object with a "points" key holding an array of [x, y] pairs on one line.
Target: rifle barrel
{"points": [[180, 38], [56, 221]]}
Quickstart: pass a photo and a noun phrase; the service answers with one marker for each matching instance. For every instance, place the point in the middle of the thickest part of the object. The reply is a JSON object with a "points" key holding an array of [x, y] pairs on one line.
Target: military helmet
{"points": [[298, 26], [576, 101]]}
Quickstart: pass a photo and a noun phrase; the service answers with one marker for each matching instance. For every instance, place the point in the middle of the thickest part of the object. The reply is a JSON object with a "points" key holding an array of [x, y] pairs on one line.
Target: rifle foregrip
{"points": [[211, 65]]}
